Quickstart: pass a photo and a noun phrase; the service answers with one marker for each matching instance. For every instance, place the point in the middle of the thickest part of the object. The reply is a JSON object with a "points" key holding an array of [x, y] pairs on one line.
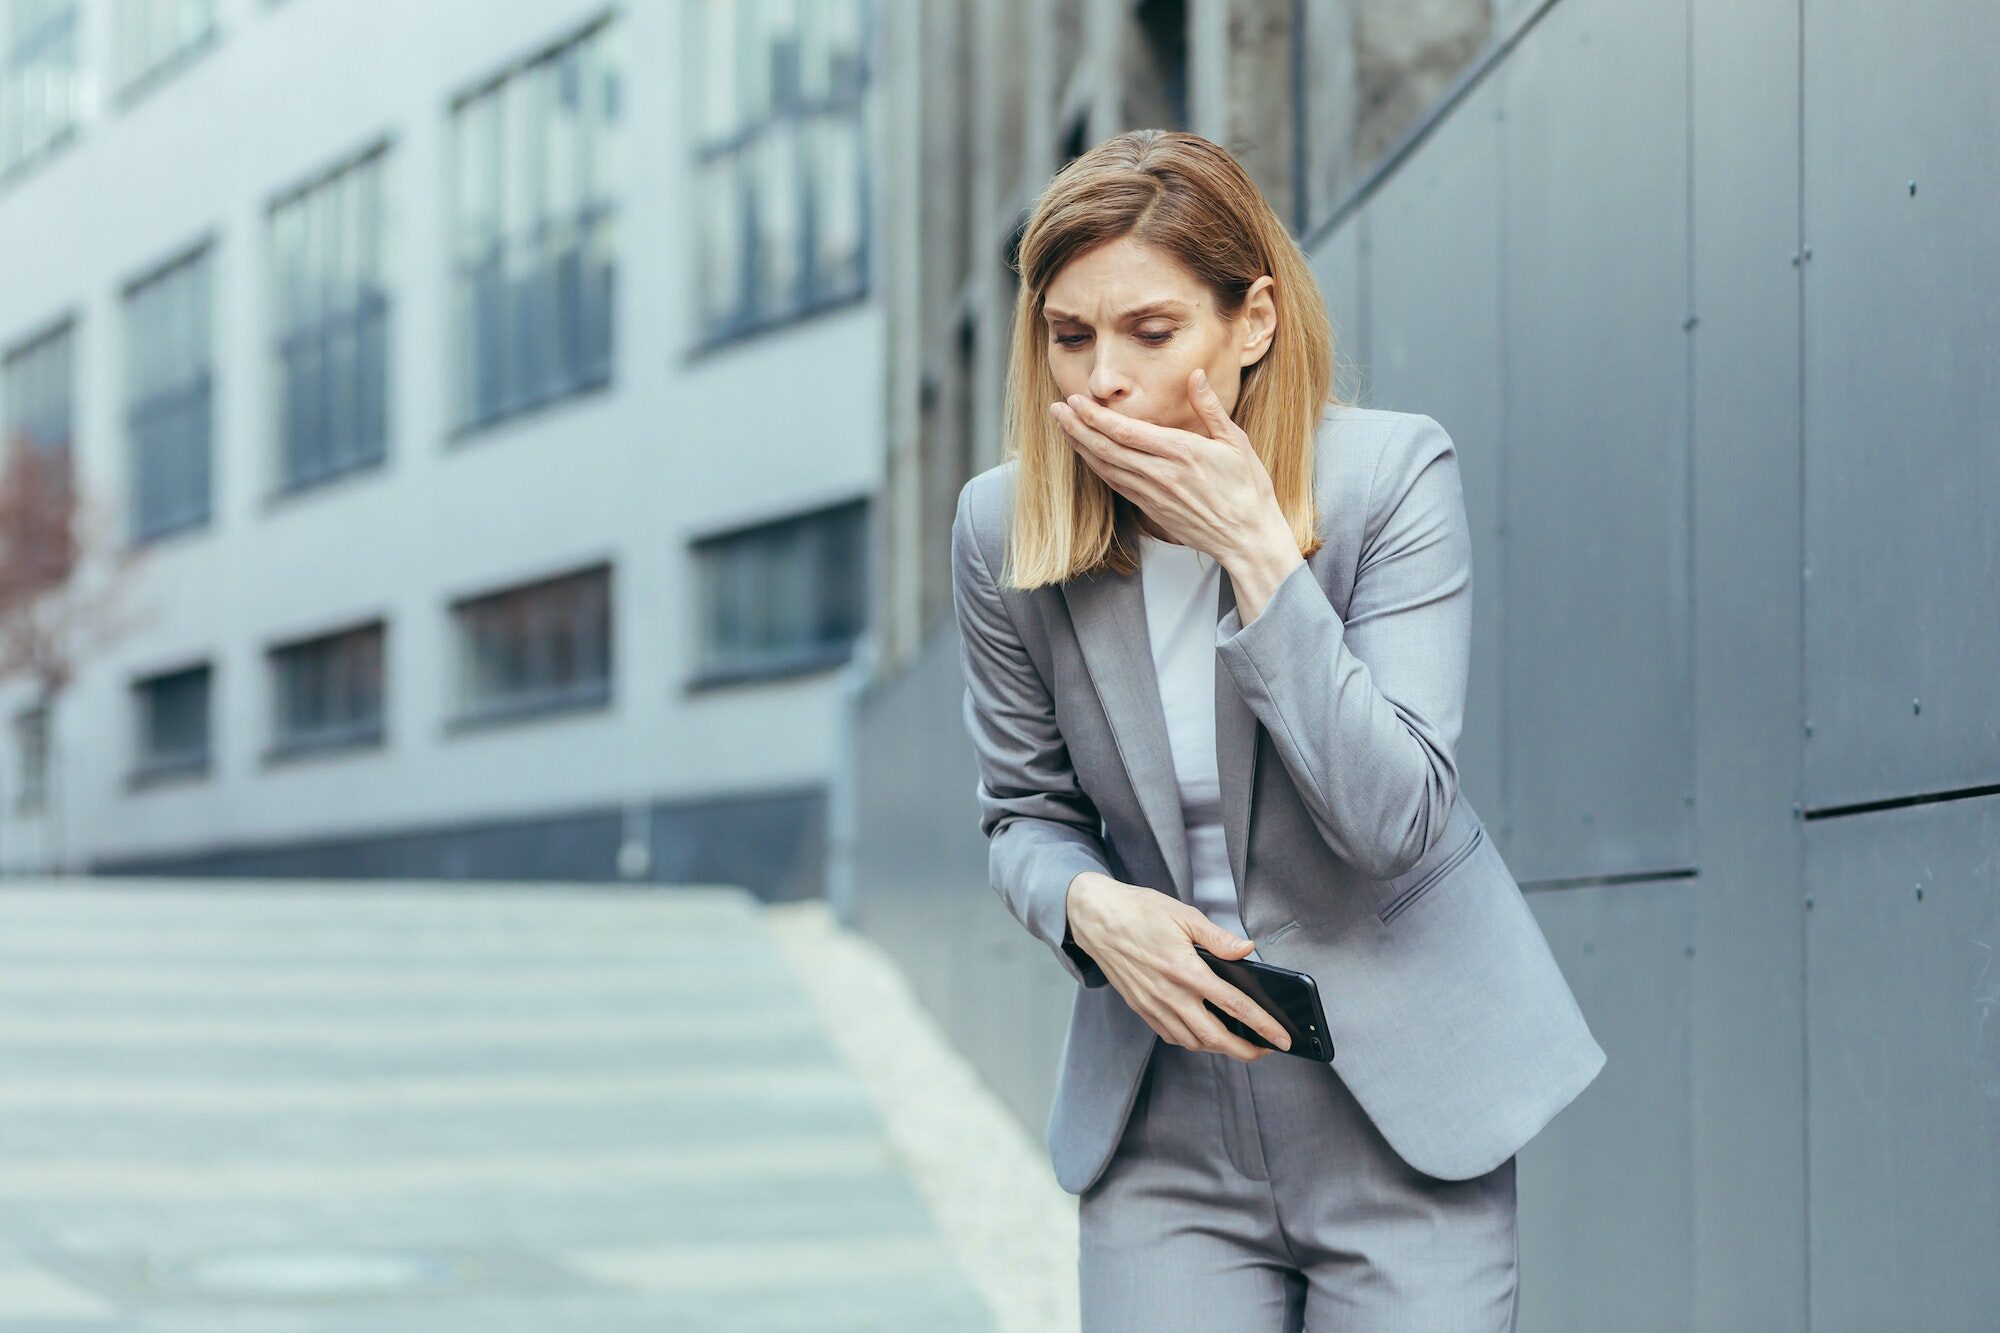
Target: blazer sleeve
{"points": [[1041, 827], [1366, 711]]}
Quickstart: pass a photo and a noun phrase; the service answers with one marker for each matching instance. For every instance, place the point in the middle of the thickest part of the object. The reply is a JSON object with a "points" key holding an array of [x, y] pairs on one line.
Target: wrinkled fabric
{"points": [[1259, 1198]]}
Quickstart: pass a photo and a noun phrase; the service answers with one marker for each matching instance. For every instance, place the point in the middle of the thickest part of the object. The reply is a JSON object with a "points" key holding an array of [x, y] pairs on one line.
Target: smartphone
{"points": [[1289, 996]]}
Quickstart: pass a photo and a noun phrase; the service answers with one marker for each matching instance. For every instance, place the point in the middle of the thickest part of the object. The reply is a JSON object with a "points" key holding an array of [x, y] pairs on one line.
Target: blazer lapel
{"points": [[1235, 752], [1109, 613]]}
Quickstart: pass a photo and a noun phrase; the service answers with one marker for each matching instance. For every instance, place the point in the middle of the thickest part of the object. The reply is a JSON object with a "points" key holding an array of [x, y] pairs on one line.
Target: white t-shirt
{"points": [[1182, 586]]}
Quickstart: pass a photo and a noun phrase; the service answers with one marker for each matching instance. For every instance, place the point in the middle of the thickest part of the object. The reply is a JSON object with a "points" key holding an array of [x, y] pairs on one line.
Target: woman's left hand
{"points": [[1210, 492]]}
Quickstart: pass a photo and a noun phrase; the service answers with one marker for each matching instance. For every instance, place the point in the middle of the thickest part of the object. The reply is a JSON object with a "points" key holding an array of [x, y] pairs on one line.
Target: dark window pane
{"points": [[781, 184], [167, 412], [329, 689], [533, 157], [536, 645], [173, 718], [782, 594]]}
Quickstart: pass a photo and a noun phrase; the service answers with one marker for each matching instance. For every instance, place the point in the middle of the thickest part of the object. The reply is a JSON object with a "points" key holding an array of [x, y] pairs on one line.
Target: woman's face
{"points": [[1127, 325]]}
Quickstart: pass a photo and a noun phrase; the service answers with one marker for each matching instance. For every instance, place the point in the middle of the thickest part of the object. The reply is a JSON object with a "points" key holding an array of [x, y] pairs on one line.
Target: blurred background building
{"points": [[543, 423], [495, 393]]}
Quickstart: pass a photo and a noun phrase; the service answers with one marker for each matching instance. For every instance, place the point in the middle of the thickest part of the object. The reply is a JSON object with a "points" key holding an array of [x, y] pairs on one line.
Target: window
{"points": [[535, 174], [782, 597], [167, 396], [172, 723], [41, 83], [153, 35], [331, 312], [327, 691], [1365, 75], [1156, 59], [780, 161], [36, 408], [37, 391], [31, 742], [542, 646]]}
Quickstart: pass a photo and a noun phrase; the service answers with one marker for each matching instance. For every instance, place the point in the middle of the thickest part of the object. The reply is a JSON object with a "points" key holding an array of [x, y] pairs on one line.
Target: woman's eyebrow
{"points": [[1136, 312]]}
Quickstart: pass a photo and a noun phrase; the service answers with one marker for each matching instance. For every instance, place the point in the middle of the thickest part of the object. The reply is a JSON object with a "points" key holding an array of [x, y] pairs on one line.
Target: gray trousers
{"points": [[1260, 1197]]}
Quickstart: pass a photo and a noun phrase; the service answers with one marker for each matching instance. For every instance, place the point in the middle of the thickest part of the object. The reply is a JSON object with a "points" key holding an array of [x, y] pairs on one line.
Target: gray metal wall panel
{"points": [[1434, 276], [920, 863], [1005, 1025], [1902, 389], [1606, 1208], [978, 980], [923, 890], [1748, 1014], [1903, 1001], [1343, 279], [1600, 751]]}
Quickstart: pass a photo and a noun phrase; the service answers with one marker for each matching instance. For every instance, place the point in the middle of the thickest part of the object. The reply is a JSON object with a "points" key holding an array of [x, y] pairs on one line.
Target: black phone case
{"points": [[1290, 996]]}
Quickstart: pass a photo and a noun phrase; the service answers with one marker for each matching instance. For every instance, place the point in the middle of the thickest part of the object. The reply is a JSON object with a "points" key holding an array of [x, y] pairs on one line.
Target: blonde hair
{"points": [[1189, 197]]}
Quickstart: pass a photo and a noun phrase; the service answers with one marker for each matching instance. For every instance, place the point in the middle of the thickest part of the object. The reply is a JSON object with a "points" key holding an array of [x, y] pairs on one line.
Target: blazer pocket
{"points": [[1402, 901], [1279, 933]]}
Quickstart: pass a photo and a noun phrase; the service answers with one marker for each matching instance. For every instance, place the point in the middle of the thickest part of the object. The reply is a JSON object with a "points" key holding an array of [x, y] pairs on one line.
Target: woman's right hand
{"points": [[1143, 941]]}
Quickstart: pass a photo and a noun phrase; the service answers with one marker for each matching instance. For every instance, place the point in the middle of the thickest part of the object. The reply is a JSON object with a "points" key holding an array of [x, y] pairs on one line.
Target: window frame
{"points": [[148, 768], [31, 786], [199, 387], [371, 732], [709, 668], [364, 307], [48, 34], [791, 114], [129, 84], [524, 606], [593, 225]]}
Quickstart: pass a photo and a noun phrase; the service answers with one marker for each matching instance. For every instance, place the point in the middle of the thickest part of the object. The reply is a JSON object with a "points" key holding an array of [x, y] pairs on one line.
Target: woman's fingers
{"points": [[1100, 453], [1244, 1009], [1117, 429], [1106, 441], [1155, 1010], [1171, 1026], [1198, 1030], [1206, 1032], [1219, 1039], [1149, 961]]}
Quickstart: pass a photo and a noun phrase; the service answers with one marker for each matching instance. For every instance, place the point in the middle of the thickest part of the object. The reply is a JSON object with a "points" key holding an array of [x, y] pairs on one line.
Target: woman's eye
{"points": [[1150, 339]]}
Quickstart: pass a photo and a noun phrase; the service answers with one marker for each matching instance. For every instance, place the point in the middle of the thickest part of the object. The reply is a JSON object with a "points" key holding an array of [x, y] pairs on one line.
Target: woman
{"points": [[1215, 630]]}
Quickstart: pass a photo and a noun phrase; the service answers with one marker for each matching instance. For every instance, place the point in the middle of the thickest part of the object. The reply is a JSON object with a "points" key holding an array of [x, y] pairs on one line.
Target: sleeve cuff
{"points": [[1087, 970], [1230, 631], [1052, 910]]}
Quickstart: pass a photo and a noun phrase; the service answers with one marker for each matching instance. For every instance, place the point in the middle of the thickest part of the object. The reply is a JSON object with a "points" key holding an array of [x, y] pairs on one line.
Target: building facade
{"points": [[488, 397]]}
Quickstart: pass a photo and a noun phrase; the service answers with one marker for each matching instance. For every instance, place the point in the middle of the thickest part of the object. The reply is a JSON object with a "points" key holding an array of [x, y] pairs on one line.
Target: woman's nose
{"points": [[1107, 384]]}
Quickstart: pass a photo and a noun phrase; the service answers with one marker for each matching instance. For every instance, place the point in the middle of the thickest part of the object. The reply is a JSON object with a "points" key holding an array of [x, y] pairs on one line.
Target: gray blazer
{"points": [[1356, 857]]}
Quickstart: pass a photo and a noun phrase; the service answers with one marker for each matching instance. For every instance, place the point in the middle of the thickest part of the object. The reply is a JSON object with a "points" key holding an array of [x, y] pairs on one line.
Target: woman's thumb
{"points": [[1206, 400], [1227, 942]]}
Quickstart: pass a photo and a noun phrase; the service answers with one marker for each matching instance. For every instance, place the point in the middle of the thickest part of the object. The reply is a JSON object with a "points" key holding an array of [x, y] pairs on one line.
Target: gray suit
{"points": [[1355, 856]]}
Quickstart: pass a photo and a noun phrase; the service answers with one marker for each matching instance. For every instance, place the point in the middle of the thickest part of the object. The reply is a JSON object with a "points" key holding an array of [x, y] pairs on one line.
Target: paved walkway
{"points": [[302, 1108]]}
